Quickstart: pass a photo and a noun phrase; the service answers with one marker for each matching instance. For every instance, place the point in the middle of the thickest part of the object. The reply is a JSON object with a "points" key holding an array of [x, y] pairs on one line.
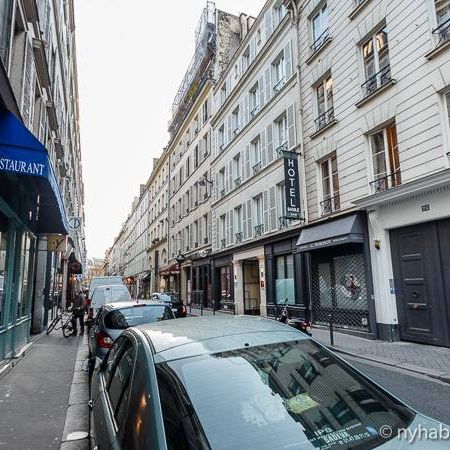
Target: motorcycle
{"points": [[302, 325]]}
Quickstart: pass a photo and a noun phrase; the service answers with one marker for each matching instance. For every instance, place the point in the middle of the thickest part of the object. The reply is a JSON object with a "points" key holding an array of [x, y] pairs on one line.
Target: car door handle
{"points": [[90, 403]]}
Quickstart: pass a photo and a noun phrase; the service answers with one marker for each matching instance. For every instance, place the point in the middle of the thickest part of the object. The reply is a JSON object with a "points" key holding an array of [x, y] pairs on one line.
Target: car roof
{"points": [[180, 338], [129, 303]]}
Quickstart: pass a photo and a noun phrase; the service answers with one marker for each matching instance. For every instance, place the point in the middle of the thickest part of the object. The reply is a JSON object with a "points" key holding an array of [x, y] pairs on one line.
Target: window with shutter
{"points": [[288, 60], [268, 24], [261, 91], [291, 132], [249, 219], [266, 212], [272, 209], [267, 84], [244, 220], [247, 161], [270, 155]]}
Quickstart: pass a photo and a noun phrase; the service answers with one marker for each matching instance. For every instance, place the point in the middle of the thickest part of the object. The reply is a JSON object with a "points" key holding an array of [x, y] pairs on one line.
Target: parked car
{"points": [[107, 294], [113, 318], [101, 281], [241, 382], [173, 300]]}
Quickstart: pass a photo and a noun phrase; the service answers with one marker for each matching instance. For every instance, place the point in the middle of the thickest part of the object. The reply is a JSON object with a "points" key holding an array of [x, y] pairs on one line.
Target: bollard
{"points": [[330, 317]]}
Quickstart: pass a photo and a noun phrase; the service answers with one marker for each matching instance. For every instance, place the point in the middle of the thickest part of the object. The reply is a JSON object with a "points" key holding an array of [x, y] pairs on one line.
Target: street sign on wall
{"points": [[56, 243], [74, 223]]}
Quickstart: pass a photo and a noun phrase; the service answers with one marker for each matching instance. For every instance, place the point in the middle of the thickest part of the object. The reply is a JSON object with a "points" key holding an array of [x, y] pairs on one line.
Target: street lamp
{"points": [[180, 260], [203, 181]]}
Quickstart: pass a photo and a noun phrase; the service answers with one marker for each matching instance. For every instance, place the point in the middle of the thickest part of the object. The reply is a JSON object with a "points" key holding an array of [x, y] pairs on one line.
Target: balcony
{"points": [[330, 205], [222, 193], [258, 230], [281, 149], [239, 237], [254, 111], [237, 181], [324, 119], [383, 183], [257, 167], [223, 243], [236, 131], [279, 84], [205, 240], [443, 33], [320, 41], [375, 82]]}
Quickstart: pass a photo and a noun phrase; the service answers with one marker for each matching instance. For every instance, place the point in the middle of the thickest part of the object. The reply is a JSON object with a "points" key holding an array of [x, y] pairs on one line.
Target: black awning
{"points": [[146, 277], [341, 231], [24, 157]]}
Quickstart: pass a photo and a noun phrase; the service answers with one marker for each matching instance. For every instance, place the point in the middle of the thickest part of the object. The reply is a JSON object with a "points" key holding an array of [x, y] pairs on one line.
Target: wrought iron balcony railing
{"points": [[330, 204], [376, 81], [279, 84], [258, 230], [223, 243], [237, 181], [281, 148], [382, 183], [239, 237], [320, 41], [257, 167], [443, 32], [282, 222], [222, 192], [254, 111], [324, 119]]}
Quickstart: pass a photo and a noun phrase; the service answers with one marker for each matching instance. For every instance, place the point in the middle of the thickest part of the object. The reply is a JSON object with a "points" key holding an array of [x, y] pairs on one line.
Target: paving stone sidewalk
{"points": [[420, 358], [43, 397]]}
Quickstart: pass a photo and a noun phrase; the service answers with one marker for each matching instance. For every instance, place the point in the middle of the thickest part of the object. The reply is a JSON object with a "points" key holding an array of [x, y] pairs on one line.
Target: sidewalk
{"points": [[420, 358], [47, 385]]}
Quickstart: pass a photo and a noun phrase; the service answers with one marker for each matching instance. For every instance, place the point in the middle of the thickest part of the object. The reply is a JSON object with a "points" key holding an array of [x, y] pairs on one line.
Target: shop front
{"points": [[169, 278], [338, 270], [285, 274], [30, 208], [223, 285], [201, 286]]}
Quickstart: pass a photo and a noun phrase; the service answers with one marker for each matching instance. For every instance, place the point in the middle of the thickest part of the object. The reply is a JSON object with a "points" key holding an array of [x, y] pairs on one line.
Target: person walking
{"points": [[78, 309]]}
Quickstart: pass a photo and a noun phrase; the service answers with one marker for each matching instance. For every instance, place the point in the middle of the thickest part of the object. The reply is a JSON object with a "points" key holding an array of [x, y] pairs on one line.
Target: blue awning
{"points": [[23, 155]]}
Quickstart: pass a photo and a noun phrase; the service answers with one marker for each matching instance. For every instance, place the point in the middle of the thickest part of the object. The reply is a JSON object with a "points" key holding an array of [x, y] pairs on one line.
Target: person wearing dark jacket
{"points": [[78, 309]]}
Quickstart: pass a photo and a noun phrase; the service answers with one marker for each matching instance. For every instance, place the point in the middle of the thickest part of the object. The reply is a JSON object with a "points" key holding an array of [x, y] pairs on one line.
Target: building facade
{"points": [[375, 82], [217, 37], [159, 271], [42, 248], [255, 128]]}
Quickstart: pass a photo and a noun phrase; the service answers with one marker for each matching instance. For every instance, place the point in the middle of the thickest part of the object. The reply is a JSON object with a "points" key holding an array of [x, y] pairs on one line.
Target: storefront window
{"points": [[284, 282], [23, 294], [339, 288], [3, 256], [225, 284]]}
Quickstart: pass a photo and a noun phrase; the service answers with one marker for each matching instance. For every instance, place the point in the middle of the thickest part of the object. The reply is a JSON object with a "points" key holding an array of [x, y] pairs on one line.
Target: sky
{"points": [[132, 56]]}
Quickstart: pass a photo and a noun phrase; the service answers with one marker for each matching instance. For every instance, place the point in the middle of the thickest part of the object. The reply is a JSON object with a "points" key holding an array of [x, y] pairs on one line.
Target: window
{"points": [[257, 215], [223, 231], [442, 30], [325, 106], [222, 137], [5, 254], [235, 120], [385, 159], [279, 72], [222, 181], [256, 154], [205, 112], [278, 14], [254, 100], [245, 59], [237, 169], [447, 114], [223, 93], [196, 157], [284, 280], [188, 166], [281, 132], [319, 28], [377, 67], [119, 385], [330, 185], [238, 223], [258, 36], [236, 71]]}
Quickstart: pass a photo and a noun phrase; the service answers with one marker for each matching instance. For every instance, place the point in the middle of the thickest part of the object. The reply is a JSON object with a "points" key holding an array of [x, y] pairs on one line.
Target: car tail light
{"points": [[103, 340], [88, 301], [183, 311]]}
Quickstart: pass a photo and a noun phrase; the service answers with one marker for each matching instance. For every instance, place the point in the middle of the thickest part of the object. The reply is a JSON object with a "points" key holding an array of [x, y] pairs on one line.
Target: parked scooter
{"points": [[300, 324]]}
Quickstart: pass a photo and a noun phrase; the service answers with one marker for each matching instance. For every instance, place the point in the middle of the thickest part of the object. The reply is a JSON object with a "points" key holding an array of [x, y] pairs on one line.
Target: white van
{"points": [[103, 281], [108, 294]]}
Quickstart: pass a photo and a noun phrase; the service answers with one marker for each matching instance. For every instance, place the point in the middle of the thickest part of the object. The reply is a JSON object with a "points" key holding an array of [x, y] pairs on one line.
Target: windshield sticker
{"points": [[300, 403]]}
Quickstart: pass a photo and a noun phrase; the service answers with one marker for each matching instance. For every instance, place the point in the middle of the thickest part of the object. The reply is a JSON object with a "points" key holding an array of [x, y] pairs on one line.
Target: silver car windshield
{"points": [[291, 395]]}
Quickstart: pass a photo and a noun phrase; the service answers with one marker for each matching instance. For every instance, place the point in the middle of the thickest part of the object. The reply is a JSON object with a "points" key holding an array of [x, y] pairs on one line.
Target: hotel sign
{"points": [[292, 185]]}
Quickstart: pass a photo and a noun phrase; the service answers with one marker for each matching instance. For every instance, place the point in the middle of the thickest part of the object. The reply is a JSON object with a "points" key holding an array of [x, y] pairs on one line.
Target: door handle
{"points": [[416, 306], [90, 403]]}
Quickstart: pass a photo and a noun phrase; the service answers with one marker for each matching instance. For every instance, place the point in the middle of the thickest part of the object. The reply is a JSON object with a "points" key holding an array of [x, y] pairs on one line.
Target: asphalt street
{"points": [[430, 397]]}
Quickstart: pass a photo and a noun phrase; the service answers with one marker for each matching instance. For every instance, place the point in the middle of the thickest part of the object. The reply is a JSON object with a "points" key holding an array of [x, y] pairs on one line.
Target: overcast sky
{"points": [[132, 56]]}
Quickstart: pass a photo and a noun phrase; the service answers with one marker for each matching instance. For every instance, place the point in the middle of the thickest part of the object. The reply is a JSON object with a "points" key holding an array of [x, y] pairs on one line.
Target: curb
{"points": [[76, 432], [434, 374]]}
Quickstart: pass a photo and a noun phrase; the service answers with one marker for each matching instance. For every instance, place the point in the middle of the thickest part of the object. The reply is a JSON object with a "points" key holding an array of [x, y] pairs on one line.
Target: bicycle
{"points": [[62, 321]]}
